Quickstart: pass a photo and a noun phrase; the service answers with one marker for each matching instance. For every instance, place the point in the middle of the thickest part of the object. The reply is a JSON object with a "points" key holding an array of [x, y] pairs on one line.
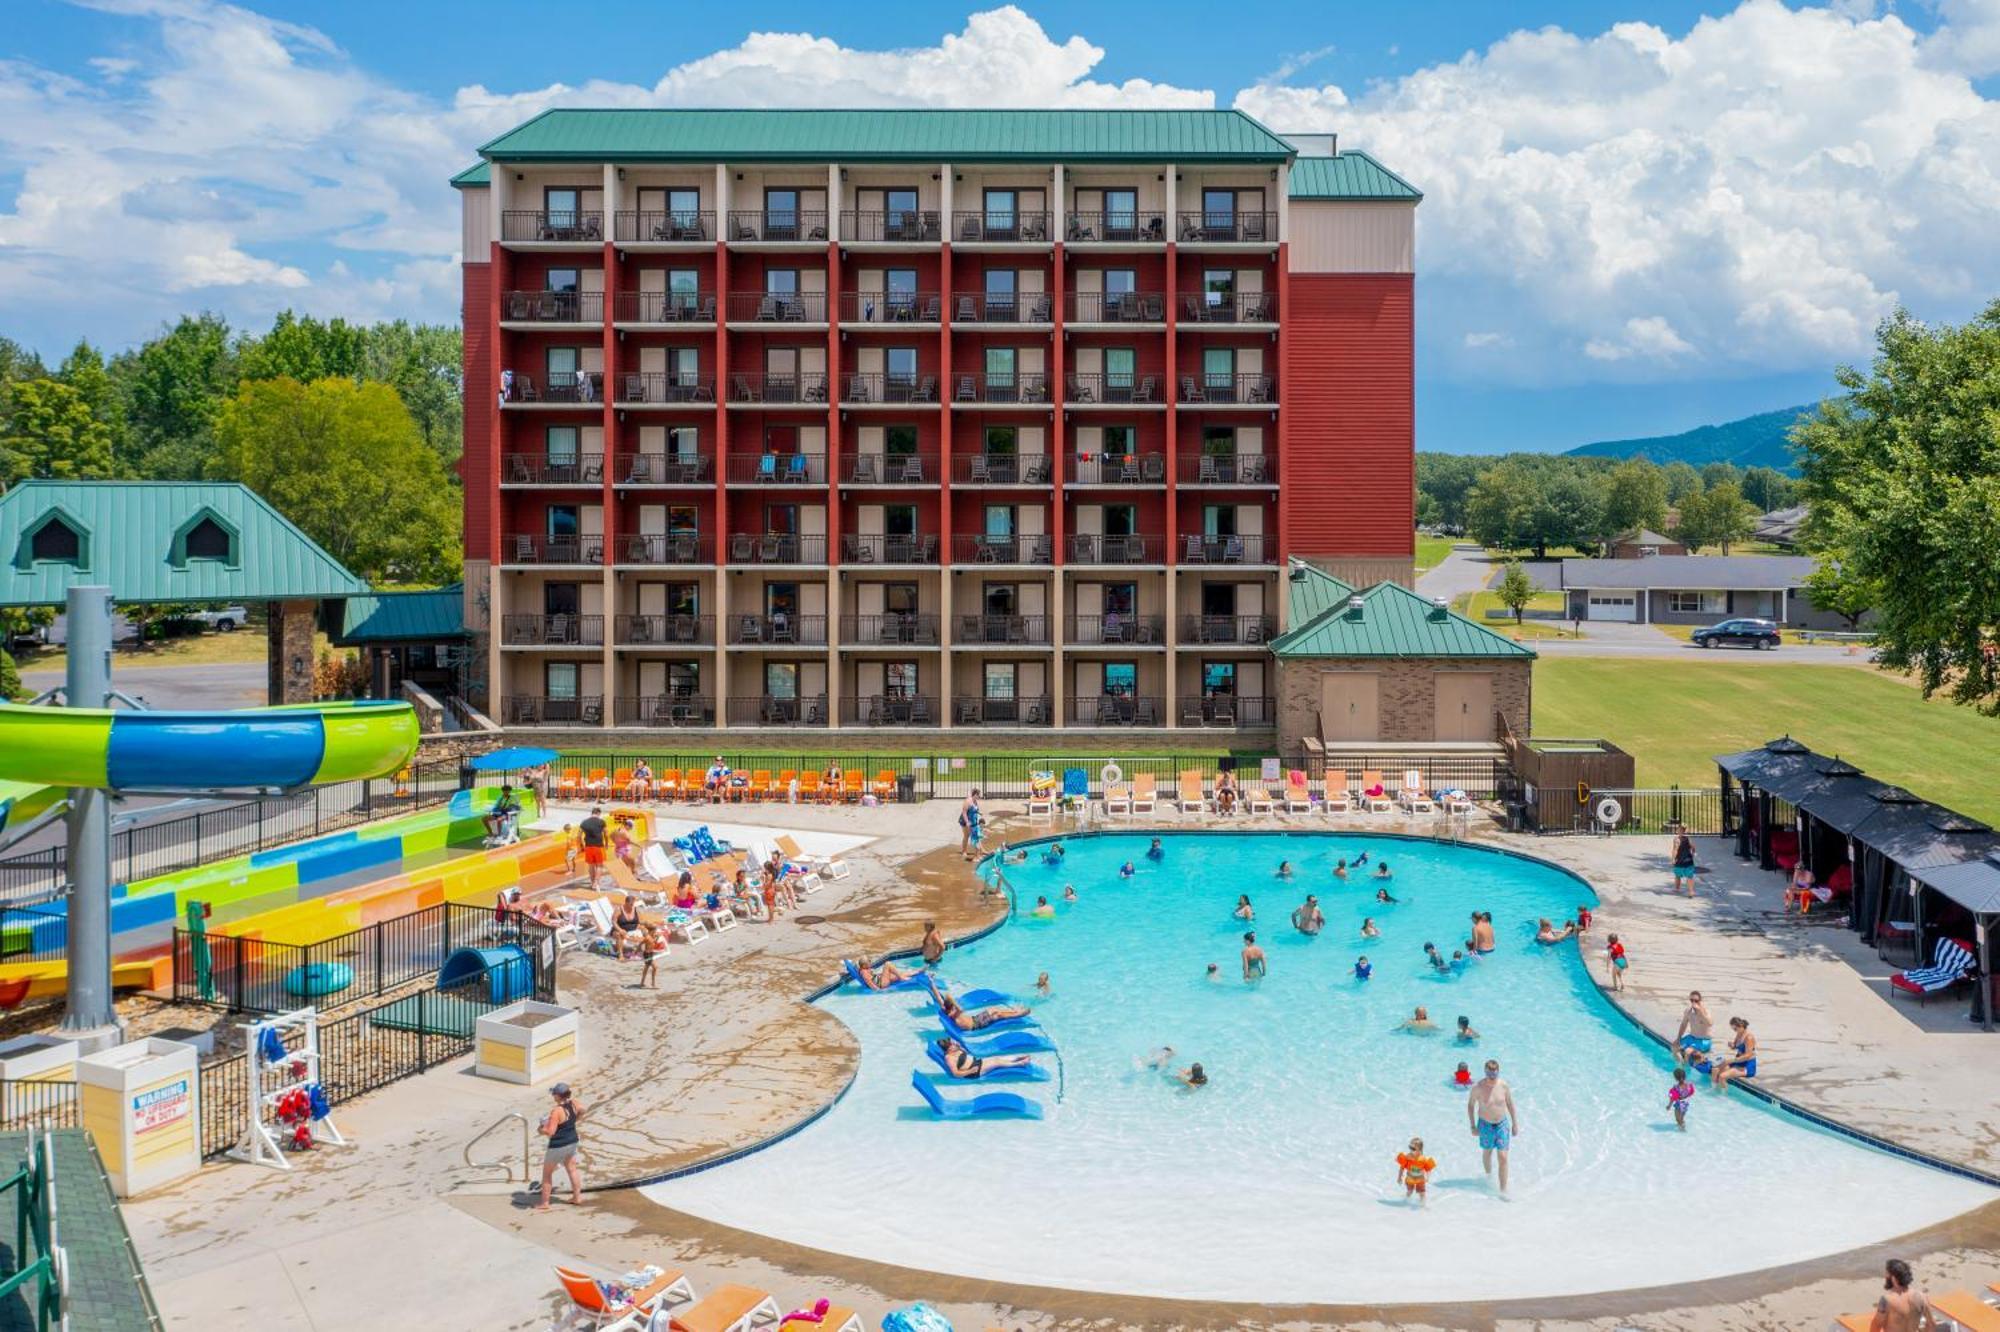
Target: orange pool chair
{"points": [[783, 790], [587, 1298], [809, 786], [692, 783], [885, 785], [852, 789], [760, 784], [571, 783], [667, 785], [599, 783], [621, 782]]}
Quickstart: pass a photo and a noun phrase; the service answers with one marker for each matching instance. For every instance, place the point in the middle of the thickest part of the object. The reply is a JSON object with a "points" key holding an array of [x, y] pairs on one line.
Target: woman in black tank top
{"points": [[560, 1129]]}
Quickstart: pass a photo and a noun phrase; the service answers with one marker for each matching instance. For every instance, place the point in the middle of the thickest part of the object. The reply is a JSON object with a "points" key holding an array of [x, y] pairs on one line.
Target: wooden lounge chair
{"points": [[1191, 799], [836, 1318], [1145, 793], [728, 1309], [587, 1299], [1118, 800], [1372, 781], [1412, 796], [1298, 795], [1256, 799]]}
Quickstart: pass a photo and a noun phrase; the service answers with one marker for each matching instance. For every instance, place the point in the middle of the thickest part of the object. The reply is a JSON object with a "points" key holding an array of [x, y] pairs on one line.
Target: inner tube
{"points": [[1112, 774], [318, 978]]}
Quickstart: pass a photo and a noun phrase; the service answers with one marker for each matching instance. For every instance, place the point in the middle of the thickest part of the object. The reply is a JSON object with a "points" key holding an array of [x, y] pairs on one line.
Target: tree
{"points": [[1716, 517], [1568, 510], [1499, 509], [1721, 474], [1902, 487], [84, 370], [345, 462], [1833, 587], [174, 388], [304, 349], [1769, 489], [1682, 480], [52, 434], [424, 363], [1447, 480], [1515, 589], [10, 679], [1635, 496]]}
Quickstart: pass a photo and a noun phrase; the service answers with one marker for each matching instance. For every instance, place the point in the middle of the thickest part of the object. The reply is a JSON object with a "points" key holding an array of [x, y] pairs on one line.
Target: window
{"points": [[1218, 520], [1002, 440], [1218, 211], [1000, 288], [562, 206], [684, 291], [1121, 678], [899, 598], [781, 599], [684, 208], [1000, 520], [1121, 520], [1000, 680], [560, 365], [899, 208], [1218, 441], [781, 519], [1695, 603], [1001, 215], [899, 679], [1218, 598], [899, 519], [782, 440], [1218, 290], [1218, 371], [781, 679], [559, 446], [901, 363], [899, 441], [1121, 599], [1120, 365], [561, 279], [1119, 284], [1121, 213], [1000, 370], [683, 598], [781, 281], [561, 598], [1002, 599], [683, 442], [683, 678], [1121, 441], [57, 542], [781, 214], [563, 520], [683, 519], [900, 285], [560, 680], [206, 540], [1218, 678]]}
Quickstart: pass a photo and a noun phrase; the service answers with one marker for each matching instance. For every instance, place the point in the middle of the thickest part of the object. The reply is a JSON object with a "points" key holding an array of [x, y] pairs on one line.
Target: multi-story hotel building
{"points": [[995, 419]]}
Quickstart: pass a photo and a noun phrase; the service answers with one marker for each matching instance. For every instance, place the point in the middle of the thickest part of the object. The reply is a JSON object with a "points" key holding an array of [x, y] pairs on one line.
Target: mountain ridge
{"points": [[1750, 441]]}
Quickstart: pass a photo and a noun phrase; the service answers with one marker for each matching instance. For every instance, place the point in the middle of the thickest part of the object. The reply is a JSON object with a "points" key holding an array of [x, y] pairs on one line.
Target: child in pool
{"points": [[1436, 959], [1382, 870], [1043, 911], [1284, 869], [1458, 960], [1462, 1078], [1243, 910], [1361, 860], [1363, 969], [1466, 1034], [1679, 1097], [1369, 929], [1127, 870], [1340, 870], [1413, 1168], [1054, 855], [1069, 892], [1042, 985], [1214, 973], [1156, 851]]}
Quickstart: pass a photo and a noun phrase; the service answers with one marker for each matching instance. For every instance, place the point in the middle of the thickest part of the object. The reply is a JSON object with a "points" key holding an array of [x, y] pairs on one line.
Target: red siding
{"points": [[477, 466], [1349, 413]]}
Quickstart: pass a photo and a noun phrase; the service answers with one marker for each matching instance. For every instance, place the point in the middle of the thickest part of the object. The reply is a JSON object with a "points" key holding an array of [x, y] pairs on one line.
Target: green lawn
{"points": [[212, 649], [1475, 605], [1675, 717], [1431, 550]]}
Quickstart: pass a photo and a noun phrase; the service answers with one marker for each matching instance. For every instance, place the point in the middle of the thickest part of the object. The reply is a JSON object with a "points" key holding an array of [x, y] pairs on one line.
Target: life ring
{"points": [[1610, 812], [1112, 774]]}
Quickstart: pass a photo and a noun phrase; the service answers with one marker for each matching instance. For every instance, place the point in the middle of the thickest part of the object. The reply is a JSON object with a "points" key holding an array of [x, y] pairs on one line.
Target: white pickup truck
{"points": [[222, 618]]}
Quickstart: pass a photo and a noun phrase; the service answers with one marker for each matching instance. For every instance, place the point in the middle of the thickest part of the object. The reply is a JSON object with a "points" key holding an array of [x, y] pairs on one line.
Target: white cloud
{"points": [[1483, 338]]}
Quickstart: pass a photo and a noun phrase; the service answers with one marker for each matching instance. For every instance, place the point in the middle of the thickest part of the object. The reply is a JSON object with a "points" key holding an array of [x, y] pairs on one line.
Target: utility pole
{"points": [[92, 1018]]}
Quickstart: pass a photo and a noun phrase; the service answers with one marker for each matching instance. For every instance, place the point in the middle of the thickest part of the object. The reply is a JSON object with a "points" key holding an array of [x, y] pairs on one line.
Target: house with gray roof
{"points": [[1695, 589]]}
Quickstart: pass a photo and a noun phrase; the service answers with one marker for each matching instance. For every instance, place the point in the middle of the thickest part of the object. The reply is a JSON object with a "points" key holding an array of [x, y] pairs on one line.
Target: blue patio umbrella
{"points": [[509, 760]]}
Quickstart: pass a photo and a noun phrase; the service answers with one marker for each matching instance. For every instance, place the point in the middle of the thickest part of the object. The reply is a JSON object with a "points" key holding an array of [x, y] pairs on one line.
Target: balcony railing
{"points": [[991, 227], [1229, 469], [696, 710], [890, 469], [912, 226], [778, 469], [552, 630], [665, 469], [779, 629], [874, 387], [773, 224], [652, 227], [1116, 710], [538, 710], [1087, 548], [978, 548], [1139, 390], [540, 469], [1255, 549], [563, 386], [1231, 227], [1001, 469], [1018, 308], [776, 548], [1228, 710], [889, 710], [876, 548], [532, 549], [1228, 628], [1117, 469], [890, 307], [1017, 630], [1028, 388], [1220, 388], [671, 386], [671, 630], [1226, 307], [971, 710], [1117, 227], [665, 548], [906, 629], [763, 710], [562, 227], [795, 307], [807, 386], [666, 307], [553, 307], [1091, 630], [1118, 307]]}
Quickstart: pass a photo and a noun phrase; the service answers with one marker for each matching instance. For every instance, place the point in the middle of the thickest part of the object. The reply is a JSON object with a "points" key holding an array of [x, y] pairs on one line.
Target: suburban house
{"points": [[1642, 543], [1694, 589]]}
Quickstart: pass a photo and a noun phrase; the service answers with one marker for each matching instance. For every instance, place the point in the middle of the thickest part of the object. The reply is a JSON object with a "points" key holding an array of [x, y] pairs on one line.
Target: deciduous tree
{"points": [[1515, 589], [51, 433], [1635, 495]]}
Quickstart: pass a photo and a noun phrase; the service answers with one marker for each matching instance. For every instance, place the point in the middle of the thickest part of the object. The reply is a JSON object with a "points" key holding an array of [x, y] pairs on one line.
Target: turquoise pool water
{"points": [[1276, 1183]]}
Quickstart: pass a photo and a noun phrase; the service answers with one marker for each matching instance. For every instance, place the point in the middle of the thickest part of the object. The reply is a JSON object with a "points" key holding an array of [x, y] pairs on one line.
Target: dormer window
{"points": [[57, 543], [207, 540]]}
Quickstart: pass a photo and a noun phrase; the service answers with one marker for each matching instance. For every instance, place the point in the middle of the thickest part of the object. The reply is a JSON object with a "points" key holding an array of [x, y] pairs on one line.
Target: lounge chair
{"points": [[1372, 781], [884, 785], [986, 1103], [833, 1318], [570, 784], [1256, 798], [1333, 788], [808, 786], [907, 983], [1145, 793], [1455, 801], [1971, 1313], [1785, 848], [1413, 797], [827, 867], [1298, 795], [1042, 795], [1020, 1073], [851, 787], [1191, 799], [1002, 1024], [1118, 800], [728, 1309], [1951, 963], [599, 784], [588, 1298], [621, 780], [693, 782]]}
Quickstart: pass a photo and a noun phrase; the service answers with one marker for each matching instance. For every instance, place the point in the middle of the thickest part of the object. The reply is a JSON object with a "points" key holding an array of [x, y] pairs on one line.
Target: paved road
{"points": [[1466, 569], [185, 688], [1661, 646]]}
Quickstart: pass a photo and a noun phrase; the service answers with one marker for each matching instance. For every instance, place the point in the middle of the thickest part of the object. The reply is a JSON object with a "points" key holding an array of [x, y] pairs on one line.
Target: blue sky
{"points": [[1639, 217]]}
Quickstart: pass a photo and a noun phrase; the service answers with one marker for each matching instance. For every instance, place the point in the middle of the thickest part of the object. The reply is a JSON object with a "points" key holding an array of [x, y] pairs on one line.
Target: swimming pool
{"points": [[1276, 1182]]}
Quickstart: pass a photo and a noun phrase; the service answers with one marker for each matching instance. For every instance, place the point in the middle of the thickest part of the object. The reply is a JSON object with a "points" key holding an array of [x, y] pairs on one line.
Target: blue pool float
{"points": [[910, 983], [986, 1103], [318, 978], [1025, 1073]]}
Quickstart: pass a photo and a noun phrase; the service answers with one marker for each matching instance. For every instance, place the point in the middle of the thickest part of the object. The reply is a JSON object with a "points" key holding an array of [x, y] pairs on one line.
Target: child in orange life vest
{"points": [[1413, 1168]]}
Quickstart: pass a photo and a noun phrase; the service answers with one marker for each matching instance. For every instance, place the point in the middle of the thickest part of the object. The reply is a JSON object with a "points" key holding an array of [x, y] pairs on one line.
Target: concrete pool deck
{"points": [[397, 1230]]}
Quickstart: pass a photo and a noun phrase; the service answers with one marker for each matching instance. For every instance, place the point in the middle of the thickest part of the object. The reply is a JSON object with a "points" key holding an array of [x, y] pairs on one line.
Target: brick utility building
{"points": [[952, 419]]}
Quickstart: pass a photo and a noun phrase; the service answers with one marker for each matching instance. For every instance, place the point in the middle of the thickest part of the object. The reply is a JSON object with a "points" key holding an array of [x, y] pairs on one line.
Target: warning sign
{"points": [[159, 1107]]}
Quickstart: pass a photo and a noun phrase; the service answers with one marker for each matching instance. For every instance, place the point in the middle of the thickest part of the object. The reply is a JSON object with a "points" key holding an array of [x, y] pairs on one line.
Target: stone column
{"points": [[289, 651]]}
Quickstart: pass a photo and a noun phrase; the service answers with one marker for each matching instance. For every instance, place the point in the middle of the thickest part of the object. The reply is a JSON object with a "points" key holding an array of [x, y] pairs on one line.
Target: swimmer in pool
{"points": [[1436, 959], [1215, 973], [1546, 933], [1466, 1033], [1253, 958], [1192, 1077], [1284, 869], [1127, 870], [1369, 929], [1308, 919], [1363, 969], [1340, 870], [1069, 892], [1361, 860], [1418, 1021], [1462, 1078], [1013, 857], [1156, 851], [1054, 855], [1458, 963], [1382, 896], [1043, 911], [1160, 1058], [1243, 909], [1382, 871], [1482, 931], [964, 1064], [1042, 985]]}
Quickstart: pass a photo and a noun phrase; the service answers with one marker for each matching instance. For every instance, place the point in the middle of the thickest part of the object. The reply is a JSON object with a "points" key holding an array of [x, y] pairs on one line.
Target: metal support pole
{"points": [[92, 1017]]}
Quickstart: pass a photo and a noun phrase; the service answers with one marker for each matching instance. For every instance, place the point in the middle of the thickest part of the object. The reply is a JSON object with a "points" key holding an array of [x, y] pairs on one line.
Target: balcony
{"points": [[778, 629], [1117, 469], [1244, 629], [552, 630], [888, 390], [666, 307], [906, 629], [536, 227], [899, 227], [776, 548], [1227, 390], [552, 307], [1000, 469], [1025, 308], [778, 469], [968, 710], [671, 388], [1229, 710], [652, 549], [775, 226], [889, 710], [1116, 228], [797, 307], [978, 548], [532, 549], [1118, 307], [1117, 630], [1229, 469], [1089, 548], [1116, 710], [676, 710], [1116, 390], [664, 630], [1228, 228], [890, 308], [666, 469], [538, 710], [1254, 549], [999, 228], [540, 469], [1032, 389], [1226, 307], [890, 469], [560, 389], [807, 386], [902, 548], [1002, 630], [763, 710], [672, 227]]}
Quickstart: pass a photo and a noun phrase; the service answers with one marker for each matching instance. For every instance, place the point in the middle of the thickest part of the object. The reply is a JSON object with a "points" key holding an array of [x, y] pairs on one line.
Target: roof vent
{"points": [[1354, 604], [1440, 608]]}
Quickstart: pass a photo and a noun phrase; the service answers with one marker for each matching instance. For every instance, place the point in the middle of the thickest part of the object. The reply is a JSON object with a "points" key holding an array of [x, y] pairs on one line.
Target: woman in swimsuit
{"points": [[1382, 896], [1369, 929], [626, 925], [1243, 909], [1742, 1061], [964, 1064], [985, 1017], [882, 977]]}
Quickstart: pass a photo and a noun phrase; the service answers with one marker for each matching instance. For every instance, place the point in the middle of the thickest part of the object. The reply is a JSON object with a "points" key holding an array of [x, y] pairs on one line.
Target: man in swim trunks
{"points": [[504, 807], [593, 833], [1482, 931], [1902, 1308], [1695, 1036], [1419, 1021], [1490, 1114], [1253, 957], [1156, 851], [1308, 919]]}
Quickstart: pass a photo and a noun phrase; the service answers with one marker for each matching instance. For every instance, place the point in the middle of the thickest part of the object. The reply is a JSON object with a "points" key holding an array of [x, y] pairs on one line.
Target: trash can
{"points": [[906, 789]]}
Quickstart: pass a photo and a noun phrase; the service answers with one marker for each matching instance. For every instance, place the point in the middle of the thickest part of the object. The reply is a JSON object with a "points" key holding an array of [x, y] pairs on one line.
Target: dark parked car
{"points": [[1742, 633]]}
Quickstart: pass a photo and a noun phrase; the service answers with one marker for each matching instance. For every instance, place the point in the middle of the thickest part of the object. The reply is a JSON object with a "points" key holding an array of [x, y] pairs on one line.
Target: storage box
{"points": [[27, 1060], [142, 1102], [526, 1042]]}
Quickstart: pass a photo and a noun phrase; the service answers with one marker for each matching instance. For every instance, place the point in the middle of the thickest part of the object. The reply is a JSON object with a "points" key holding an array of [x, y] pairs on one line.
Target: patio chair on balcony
{"points": [[1232, 550], [920, 711], [979, 470], [798, 468], [518, 470], [857, 389], [524, 550], [1041, 311], [1077, 390], [742, 548], [524, 389], [906, 468], [968, 229], [1221, 709], [639, 471], [966, 389], [966, 311], [1191, 390], [519, 305], [770, 548], [1144, 390], [767, 467], [743, 390], [1194, 550], [1034, 469], [867, 469], [1128, 470], [1077, 231]]}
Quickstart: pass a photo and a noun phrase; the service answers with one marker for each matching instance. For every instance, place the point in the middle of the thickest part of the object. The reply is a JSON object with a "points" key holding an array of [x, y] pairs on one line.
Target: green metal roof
{"points": [[1310, 590], [429, 616], [1393, 622], [131, 534], [1349, 175], [476, 176], [657, 135]]}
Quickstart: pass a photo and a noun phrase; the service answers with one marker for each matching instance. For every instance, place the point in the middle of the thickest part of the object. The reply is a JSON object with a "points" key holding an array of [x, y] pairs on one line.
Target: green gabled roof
{"points": [[1393, 622], [473, 177], [132, 531], [1310, 590], [664, 135], [429, 616], [1348, 175]]}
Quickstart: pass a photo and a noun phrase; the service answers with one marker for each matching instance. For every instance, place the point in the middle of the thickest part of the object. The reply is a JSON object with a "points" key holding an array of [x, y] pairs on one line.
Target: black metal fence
{"points": [[1696, 810], [28, 935]]}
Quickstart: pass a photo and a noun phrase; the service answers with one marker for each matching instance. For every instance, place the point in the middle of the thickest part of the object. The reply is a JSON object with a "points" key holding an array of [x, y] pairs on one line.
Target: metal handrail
{"points": [[526, 1176]]}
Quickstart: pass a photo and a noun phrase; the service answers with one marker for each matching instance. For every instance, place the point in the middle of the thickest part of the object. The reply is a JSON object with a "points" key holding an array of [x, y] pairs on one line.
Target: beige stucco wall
{"points": [[1408, 698]]}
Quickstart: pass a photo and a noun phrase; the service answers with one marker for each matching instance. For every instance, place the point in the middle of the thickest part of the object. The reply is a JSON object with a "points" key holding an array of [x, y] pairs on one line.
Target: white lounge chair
{"points": [[1043, 789], [688, 929], [1257, 800], [1370, 781], [1118, 800], [1456, 801], [1191, 799], [1413, 797], [1333, 793], [1298, 795]]}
